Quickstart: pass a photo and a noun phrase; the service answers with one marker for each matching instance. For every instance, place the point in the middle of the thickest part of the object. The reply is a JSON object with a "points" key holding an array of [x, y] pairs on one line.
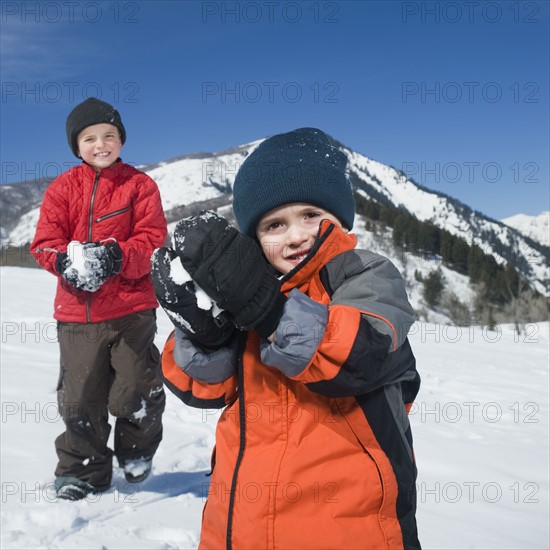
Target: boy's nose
{"points": [[297, 234]]}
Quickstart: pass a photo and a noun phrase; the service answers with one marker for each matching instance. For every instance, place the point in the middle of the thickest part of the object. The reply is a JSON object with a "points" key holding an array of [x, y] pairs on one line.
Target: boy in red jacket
{"points": [[99, 224], [309, 359]]}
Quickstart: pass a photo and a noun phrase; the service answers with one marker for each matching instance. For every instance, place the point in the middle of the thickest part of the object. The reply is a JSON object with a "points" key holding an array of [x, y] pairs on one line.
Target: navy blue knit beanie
{"points": [[299, 166], [89, 112]]}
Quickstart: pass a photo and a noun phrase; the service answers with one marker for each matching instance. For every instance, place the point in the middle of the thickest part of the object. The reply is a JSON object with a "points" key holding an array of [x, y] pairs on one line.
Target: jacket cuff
{"points": [[211, 368], [298, 335]]}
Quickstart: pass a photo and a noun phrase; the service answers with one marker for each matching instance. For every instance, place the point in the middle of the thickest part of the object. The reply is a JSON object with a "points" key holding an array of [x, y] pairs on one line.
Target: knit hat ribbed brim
{"points": [[298, 166]]}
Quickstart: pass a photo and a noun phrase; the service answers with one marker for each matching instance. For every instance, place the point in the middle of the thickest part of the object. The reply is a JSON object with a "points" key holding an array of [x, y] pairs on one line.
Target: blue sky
{"points": [[453, 93]]}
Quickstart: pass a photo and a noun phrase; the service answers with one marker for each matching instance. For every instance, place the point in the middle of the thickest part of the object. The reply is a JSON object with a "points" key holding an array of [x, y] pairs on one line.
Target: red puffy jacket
{"points": [[82, 205]]}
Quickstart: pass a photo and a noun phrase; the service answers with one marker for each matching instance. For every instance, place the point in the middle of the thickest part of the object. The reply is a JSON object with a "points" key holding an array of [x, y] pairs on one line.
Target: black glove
{"points": [[113, 264], [62, 262], [102, 262], [229, 266], [179, 301]]}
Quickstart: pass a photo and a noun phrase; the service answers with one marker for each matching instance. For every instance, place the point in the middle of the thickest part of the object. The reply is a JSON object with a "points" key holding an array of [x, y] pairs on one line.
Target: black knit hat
{"points": [[299, 166], [90, 112]]}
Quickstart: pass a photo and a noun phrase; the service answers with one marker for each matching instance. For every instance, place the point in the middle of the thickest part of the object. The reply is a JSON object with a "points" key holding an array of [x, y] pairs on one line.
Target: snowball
{"points": [[79, 261], [178, 274], [203, 300]]}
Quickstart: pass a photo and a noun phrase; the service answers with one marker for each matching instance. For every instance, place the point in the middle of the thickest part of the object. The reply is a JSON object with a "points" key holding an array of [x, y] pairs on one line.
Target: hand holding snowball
{"points": [[186, 304], [86, 266]]}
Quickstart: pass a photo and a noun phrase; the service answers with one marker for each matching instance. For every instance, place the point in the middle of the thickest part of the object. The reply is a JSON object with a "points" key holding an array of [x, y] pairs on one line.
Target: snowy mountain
{"points": [[535, 227], [17, 200], [204, 181]]}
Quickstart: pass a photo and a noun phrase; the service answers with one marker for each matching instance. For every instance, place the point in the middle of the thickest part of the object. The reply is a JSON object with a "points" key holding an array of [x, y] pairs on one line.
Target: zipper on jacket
{"points": [[319, 240], [242, 440], [90, 223], [111, 214], [92, 200]]}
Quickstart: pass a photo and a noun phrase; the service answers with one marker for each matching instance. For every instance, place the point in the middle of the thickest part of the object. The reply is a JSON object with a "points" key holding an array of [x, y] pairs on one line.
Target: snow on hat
{"points": [[89, 112], [299, 166]]}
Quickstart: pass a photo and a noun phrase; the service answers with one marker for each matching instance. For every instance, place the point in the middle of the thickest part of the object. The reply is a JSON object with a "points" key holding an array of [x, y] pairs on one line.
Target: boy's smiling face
{"points": [[99, 145], [287, 233]]}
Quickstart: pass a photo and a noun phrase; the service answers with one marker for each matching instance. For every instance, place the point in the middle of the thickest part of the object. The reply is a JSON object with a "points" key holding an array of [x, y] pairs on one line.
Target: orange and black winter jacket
{"points": [[118, 203], [314, 447]]}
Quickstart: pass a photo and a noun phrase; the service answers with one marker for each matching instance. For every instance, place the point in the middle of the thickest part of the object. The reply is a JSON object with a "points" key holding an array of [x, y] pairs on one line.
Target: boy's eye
{"points": [[313, 215], [271, 226]]}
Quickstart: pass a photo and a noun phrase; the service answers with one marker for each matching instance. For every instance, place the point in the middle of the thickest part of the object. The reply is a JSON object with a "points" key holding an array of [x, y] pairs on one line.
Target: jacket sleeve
{"points": [[52, 229], [149, 231], [199, 379], [355, 344]]}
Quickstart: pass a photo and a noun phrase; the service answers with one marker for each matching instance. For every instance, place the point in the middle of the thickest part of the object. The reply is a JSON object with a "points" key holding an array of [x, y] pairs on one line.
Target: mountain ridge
{"points": [[203, 180]]}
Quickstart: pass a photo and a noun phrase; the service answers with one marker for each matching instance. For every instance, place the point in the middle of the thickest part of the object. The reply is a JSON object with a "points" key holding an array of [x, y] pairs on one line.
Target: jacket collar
{"points": [[330, 242], [113, 172]]}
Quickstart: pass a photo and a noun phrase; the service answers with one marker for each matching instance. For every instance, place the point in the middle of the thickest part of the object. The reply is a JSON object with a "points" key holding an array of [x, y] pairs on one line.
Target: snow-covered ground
{"points": [[481, 428]]}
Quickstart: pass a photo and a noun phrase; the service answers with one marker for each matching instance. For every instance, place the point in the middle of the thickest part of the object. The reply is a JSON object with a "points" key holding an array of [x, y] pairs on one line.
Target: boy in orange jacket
{"points": [[309, 356]]}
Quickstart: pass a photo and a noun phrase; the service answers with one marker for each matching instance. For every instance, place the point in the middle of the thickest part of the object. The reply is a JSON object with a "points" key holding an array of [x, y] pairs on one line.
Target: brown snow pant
{"points": [[108, 367]]}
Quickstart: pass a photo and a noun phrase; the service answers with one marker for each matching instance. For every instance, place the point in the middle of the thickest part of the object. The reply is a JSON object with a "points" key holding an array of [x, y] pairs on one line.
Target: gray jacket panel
{"points": [[298, 334], [213, 367], [371, 283]]}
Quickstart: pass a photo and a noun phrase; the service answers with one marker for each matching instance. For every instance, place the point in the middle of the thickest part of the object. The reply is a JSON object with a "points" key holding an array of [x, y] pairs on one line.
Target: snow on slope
{"points": [[410, 264], [25, 228], [536, 227], [489, 235], [480, 423], [189, 180]]}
